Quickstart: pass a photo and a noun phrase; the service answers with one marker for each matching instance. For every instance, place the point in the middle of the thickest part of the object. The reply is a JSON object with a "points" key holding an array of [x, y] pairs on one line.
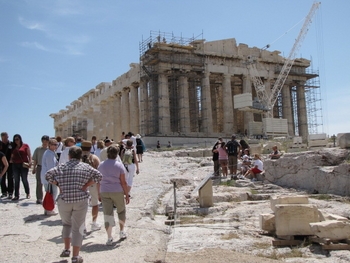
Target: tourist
{"points": [[4, 165], [21, 159], [6, 148], [275, 154], [223, 158], [37, 164], [94, 162], [93, 144], [257, 168], [59, 147], [244, 146], [99, 146], [246, 162], [113, 189], [158, 145], [139, 147], [73, 178], [233, 150], [78, 141], [122, 137], [216, 158], [49, 160], [129, 159], [103, 153], [68, 143], [169, 144]]}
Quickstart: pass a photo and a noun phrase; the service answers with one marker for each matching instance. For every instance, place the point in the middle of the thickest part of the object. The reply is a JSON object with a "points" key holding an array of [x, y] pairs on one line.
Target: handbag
{"points": [[48, 202], [24, 164]]}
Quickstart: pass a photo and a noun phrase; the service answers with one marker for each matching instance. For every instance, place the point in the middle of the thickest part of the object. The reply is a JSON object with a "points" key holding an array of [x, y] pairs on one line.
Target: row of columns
{"points": [[145, 108]]}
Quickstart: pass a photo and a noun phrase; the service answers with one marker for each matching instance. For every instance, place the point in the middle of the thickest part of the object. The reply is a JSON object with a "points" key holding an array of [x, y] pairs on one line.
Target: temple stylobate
{"points": [[186, 87]]}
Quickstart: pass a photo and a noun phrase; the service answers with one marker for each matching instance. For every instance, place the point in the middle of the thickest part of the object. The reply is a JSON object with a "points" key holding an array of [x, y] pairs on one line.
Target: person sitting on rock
{"points": [[246, 162], [257, 168], [275, 154]]}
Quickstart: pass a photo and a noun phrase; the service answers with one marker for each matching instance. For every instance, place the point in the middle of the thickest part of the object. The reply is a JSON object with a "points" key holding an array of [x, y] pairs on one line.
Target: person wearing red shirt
{"points": [[20, 154]]}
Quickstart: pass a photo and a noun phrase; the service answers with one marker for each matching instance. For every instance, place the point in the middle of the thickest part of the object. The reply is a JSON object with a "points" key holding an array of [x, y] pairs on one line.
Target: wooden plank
{"points": [[339, 246], [281, 243], [318, 240]]}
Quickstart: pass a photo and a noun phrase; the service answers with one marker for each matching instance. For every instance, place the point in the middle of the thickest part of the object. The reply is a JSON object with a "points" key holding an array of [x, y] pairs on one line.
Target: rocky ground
{"points": [[227, 232]]}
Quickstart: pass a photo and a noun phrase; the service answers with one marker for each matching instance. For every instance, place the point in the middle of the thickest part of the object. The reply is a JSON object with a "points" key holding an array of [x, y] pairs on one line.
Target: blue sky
{"points": [[52, 52]]}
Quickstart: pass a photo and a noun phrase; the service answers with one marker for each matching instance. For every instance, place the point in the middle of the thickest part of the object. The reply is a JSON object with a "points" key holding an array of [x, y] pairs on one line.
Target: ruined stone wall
{"points": [[185, 90]]}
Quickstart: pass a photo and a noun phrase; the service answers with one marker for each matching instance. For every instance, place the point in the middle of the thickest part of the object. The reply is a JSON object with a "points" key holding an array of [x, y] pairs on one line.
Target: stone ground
{"points": [[227, 232]]}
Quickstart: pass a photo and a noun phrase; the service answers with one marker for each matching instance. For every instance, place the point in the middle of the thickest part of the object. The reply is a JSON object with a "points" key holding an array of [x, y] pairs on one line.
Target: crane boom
{"points": [[290, 60]]}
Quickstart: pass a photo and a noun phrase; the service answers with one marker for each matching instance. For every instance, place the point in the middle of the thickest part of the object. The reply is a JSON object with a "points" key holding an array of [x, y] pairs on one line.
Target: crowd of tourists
{"points": [[228, 156], [73, 173]]}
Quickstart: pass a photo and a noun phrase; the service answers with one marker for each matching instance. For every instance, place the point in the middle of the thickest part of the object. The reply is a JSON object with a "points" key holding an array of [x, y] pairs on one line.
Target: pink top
{"points": [[223, 155]]}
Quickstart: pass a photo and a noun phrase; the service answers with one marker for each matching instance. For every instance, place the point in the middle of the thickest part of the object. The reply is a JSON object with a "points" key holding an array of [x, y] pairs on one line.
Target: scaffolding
{"points": [[313, 106], [166, 54]]}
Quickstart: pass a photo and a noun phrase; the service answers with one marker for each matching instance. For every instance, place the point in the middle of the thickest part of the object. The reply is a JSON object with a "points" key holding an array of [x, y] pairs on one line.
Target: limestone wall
{"points": [[325, 171]]}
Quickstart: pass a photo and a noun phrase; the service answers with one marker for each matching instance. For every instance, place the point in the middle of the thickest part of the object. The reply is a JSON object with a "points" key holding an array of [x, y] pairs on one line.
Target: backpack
{"points": [[232, 148], [86, 159], [128, 157]]}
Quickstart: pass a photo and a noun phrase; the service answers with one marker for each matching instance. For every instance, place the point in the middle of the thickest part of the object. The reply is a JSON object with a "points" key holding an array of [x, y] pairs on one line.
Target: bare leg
{"points": [[94, 212], [109, 231], [66, 243], [76, 251]]}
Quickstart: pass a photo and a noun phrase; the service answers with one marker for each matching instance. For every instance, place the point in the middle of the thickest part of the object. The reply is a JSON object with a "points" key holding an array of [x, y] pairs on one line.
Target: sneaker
{"points": [[122, 235], [65, 253], [95, 226], [28, 196], [254, 180], [3, 195], [109, 241], [10, 196], [15, 198], [39, 202], [51, 213], [77, 259]]}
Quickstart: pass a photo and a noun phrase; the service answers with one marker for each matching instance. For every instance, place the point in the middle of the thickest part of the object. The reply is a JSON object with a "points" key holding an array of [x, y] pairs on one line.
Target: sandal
{"points": [[65, 253]]}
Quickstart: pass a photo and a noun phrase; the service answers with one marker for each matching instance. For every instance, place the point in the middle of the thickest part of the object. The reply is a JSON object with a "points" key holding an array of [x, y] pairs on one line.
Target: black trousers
{"points": [[7, 188]]}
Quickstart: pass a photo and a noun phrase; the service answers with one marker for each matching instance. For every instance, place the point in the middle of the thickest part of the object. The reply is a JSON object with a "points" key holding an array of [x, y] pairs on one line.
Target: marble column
{"points": [[206, 110], [227, 104], [89, 113], [134, 109], [101, 131], [248, 116], [184, 105], [117, 116], [302, 113], [125, 110], [164, 108], [287, 109], [144, 110], [110, 120]]}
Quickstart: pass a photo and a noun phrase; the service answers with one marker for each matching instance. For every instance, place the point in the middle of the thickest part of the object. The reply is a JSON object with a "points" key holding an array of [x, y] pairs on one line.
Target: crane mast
{"points": [[289, 62]]}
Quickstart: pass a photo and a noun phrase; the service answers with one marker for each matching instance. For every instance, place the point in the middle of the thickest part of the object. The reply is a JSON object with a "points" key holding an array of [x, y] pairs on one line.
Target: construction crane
{"points": [[267, 101]]}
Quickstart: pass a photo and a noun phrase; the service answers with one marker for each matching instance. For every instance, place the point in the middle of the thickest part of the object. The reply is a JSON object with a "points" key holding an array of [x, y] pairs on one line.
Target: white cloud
{"points": [[35, 45], [32, 25]]}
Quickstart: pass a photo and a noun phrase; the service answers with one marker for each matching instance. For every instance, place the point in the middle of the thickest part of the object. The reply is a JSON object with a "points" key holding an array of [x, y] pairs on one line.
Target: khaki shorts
{"points": [[232, 162], [94, 195], [108, 199]]}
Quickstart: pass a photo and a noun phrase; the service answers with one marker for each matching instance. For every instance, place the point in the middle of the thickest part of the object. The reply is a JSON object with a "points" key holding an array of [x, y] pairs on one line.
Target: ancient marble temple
{"points": [[186, 87]]}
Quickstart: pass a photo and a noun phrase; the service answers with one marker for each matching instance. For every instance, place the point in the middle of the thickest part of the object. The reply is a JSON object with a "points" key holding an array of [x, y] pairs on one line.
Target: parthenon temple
{"points": [[186, 87]]}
